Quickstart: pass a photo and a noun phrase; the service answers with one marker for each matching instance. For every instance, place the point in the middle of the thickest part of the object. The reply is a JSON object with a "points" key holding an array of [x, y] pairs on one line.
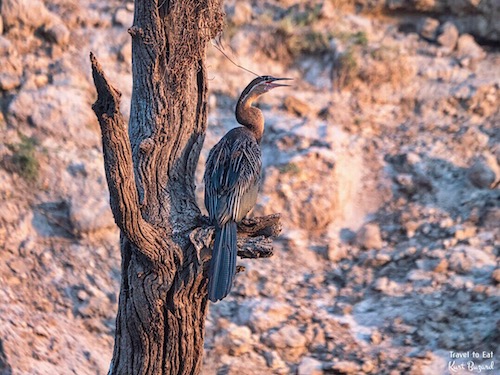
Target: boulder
{"points": [[56, 33], [123, 17], [428, 28], [310, 366], [468, 51], [484, 173], [12, 70], [369, 237], [448, 35], [477, 17], [30, 14], [241, 13]]}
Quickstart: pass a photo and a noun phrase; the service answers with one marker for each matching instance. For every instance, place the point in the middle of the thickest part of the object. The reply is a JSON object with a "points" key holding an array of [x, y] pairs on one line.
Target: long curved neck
{"points": [[250, 116]]}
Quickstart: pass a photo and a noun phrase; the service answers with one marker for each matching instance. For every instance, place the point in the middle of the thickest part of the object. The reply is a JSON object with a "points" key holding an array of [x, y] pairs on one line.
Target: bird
{"points": [[232, 177]]}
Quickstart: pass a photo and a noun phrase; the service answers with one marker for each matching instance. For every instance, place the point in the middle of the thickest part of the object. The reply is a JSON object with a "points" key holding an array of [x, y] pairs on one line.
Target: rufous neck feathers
{"points": [[250, 116]]}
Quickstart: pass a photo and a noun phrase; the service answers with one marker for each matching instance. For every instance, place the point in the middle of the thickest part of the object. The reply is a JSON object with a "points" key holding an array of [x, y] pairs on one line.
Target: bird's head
{"points": [[261, 85]]}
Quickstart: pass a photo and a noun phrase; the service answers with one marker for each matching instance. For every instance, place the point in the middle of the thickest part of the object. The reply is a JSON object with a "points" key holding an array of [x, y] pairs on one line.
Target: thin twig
{"points": [[218, 44]]}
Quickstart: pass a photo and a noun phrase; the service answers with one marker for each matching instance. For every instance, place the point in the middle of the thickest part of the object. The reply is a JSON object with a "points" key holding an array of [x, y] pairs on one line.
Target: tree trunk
{"points": [[150, 173]]}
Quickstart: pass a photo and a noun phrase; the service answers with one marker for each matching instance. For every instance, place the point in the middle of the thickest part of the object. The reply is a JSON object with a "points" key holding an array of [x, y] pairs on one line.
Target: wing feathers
{"points": [[232, 170]]}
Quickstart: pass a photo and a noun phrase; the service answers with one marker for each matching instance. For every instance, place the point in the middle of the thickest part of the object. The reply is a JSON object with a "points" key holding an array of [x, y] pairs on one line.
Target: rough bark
{"points": [[150, 174]]}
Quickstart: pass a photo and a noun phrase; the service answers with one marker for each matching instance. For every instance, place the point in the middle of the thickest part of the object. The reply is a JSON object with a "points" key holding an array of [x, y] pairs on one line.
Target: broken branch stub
{"points": [[255, 238]]}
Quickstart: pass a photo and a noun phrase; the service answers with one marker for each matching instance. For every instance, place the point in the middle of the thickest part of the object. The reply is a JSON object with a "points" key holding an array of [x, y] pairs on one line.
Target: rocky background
{"points": [[383, 159]]}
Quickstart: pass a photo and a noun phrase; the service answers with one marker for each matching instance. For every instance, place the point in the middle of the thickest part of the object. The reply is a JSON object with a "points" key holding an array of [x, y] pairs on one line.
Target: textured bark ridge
{"points": [[150, 173]]}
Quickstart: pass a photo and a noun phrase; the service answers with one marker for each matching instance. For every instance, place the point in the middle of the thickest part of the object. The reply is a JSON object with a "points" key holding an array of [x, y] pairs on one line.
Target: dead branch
{"points": [[267, 226], [124, 198], [255, 247], [255, 238]]}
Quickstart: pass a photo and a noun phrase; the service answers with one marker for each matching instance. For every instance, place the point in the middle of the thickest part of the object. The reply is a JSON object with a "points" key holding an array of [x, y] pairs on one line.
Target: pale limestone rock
{"points": [[11, 71], [24, 13], [369, 237], [242, 13], [57, 33], [448, 35], [310, 366], [264, 315], [484, 172], [428, 28], [468, 51], [123, 17]]}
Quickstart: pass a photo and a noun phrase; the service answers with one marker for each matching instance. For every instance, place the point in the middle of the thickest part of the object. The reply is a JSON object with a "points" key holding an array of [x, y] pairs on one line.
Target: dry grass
{"points": [[387, 65], [302, 32], [347, 68], [342, 4], [23, 160]]}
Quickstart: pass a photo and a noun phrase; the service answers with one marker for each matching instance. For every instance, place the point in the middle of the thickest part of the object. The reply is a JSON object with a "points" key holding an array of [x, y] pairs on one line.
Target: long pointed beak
{"points": [[273, 85]]}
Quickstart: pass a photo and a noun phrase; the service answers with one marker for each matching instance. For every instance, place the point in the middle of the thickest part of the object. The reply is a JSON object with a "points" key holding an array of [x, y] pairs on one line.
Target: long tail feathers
{"points": [[223, 263]]}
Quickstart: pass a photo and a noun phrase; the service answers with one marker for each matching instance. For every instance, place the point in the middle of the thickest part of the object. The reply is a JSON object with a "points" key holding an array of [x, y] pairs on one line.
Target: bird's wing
{"points": [[233, 168]]}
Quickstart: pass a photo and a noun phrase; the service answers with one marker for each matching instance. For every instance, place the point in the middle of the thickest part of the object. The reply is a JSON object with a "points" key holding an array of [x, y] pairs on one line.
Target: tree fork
{"points": [[150, 169]]}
